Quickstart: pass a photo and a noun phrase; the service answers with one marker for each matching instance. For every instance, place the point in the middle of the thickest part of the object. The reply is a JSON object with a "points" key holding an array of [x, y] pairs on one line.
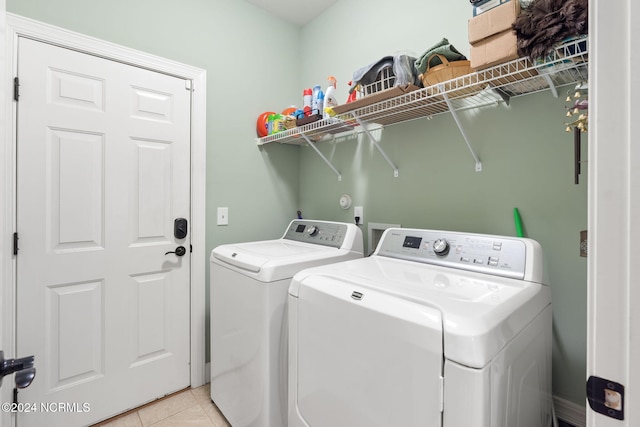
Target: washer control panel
{"points": [[317, 232], [497, 255]]}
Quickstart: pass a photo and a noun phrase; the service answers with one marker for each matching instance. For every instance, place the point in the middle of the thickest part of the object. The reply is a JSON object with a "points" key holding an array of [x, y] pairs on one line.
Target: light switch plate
{"points": [[223, 216]]}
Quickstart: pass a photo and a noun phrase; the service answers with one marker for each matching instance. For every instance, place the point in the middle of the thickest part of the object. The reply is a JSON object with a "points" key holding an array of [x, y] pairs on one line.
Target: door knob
{"points": [[25, 372], [180, 251], [25, 377]]}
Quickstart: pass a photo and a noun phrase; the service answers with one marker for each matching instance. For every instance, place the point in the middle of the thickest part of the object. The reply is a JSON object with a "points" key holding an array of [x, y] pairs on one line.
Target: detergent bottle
{"points": [[314, 99], [329, 96]]}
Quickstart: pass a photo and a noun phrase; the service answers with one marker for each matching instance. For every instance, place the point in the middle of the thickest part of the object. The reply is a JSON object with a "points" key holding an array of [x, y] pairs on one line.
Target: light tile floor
{"points": [[192, 407]]}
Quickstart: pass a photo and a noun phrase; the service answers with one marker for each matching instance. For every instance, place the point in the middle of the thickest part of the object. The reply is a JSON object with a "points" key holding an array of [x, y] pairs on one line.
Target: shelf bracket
{"points": [[460, 127], [552, 87], [312, 145], [376, 143]]}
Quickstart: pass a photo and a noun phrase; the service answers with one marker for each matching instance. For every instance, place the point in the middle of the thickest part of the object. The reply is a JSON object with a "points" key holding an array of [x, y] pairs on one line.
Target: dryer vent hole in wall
{"points": [[375, 231]]}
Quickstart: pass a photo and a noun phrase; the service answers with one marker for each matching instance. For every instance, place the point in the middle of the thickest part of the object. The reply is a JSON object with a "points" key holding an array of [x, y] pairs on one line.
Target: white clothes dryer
{"points": [[435, 328], [248, 290]]}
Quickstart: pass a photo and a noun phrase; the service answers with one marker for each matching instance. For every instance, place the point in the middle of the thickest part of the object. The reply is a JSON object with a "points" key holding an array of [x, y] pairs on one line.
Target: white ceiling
{"points": [[299, 12]]}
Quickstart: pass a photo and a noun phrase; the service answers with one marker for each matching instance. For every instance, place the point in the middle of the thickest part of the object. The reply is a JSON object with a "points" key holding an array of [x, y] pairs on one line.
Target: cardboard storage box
{"points": [[494, 50], [493, 22], [487, 6]]}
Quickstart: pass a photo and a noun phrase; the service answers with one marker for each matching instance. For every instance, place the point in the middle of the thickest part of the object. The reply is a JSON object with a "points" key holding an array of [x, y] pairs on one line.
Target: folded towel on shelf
{"points": [[402, 67], [444, 48]]}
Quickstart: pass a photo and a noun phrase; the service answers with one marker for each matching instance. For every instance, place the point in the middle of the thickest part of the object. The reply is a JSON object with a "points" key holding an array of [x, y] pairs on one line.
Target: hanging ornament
{"points": [[579, 106]]}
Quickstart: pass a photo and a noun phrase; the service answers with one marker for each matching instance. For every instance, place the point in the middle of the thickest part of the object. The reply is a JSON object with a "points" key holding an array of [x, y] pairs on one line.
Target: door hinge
{"points": [[188, 85], [16, 88], [15, 243]]}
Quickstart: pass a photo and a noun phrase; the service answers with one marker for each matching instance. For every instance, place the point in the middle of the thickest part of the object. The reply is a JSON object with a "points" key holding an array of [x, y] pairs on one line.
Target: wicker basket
{"points": [[445, 71]]}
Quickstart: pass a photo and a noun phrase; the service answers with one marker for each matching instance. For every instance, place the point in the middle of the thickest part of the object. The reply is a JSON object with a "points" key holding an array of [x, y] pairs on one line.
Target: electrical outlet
{"points": [[223, 216], [358, 212]]}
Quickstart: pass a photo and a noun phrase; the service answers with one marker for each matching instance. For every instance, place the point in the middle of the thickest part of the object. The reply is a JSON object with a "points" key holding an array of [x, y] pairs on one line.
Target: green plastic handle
{"points": [[518, 222]]}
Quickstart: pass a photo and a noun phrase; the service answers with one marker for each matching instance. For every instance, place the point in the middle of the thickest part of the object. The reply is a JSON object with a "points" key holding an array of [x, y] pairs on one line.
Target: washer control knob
{"points": [[313, 230], [441, 247]]}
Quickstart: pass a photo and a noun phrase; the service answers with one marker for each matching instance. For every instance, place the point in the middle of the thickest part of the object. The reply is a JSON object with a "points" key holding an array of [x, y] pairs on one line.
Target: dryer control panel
{"points": [[318, 232], [518, 258]]}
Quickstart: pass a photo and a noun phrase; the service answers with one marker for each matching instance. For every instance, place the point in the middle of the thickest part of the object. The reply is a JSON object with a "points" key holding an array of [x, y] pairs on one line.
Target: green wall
{"points": [[526, 155]]}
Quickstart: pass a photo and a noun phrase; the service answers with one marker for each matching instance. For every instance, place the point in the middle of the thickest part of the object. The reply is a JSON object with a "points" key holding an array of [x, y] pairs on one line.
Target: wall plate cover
{"points": [[223, 216]]}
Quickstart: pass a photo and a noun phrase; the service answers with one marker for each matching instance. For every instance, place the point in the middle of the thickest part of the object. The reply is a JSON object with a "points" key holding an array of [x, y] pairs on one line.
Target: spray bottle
{"points": [[330, 99]]}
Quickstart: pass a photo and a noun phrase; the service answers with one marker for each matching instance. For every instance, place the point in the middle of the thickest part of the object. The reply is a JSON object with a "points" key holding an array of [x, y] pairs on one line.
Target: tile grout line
{"points": [[137, 409]]}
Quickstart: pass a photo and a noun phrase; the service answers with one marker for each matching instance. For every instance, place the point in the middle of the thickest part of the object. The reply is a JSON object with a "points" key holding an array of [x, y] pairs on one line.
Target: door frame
{"points": [[613, 335], [18, 26], [5, 392]]}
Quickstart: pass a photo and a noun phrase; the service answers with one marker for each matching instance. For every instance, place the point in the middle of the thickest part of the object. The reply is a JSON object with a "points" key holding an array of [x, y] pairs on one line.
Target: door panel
{"points": [[150, 339], [152, 168], [75, 336], [103, 171], [76, 181]]}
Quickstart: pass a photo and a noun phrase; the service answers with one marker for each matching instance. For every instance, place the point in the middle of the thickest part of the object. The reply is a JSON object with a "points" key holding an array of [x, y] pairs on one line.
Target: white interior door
{"points": [[103, 171]]}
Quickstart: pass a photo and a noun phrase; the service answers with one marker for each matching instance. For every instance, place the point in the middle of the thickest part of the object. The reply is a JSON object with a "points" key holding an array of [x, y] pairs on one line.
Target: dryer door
{"points": [[366, 358]]}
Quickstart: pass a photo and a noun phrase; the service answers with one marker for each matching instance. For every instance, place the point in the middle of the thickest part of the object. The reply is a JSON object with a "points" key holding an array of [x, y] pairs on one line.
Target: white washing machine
{"points": [[249, 283], [434, 329]]}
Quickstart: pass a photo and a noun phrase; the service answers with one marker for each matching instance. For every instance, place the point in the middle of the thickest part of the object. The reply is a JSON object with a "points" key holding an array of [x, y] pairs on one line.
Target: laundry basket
{"points": [[385, 80], [445, 71]]}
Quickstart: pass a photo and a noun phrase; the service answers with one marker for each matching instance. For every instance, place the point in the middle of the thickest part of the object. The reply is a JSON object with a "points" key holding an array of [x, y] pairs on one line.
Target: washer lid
{"points": [[359, 355], [271, 260], [480, 312]]}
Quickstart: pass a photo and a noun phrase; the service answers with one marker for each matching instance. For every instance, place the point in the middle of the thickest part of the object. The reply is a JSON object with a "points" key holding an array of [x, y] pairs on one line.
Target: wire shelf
{"points": [[566, 64]]}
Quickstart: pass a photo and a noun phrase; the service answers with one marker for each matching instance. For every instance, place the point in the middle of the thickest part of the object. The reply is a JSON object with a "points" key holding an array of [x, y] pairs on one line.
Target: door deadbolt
{"points": [[180, 251], [180, 228]]}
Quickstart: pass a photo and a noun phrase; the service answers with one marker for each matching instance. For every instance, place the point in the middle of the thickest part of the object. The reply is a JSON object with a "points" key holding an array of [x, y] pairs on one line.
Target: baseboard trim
{"points": [[570, 412], [566, 410]]}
